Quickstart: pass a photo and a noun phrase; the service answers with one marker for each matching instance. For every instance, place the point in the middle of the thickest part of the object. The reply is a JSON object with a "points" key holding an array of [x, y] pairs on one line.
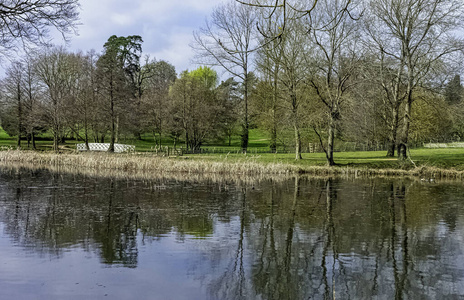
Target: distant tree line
{"points": [[98, 98], [373, 71], [376, 72]]}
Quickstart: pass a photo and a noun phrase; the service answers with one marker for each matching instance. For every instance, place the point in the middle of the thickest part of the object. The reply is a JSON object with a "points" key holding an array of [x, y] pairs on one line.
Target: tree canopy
{"points": [[25, 23]]}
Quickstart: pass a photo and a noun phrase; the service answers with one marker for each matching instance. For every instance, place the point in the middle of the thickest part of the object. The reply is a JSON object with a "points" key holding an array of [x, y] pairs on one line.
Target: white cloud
{"points": [[177, 52], [121, 20], [166, 26]]}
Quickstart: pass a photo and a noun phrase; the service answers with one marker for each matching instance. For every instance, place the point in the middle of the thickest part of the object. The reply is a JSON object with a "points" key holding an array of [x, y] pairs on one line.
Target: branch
{"points": [[322, 143]]}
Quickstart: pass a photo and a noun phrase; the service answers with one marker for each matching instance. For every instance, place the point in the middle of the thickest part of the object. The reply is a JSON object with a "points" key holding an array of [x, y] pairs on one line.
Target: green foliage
{"points": [[159, 76], [431, 120], [4, 135], [454, 90], [127, 50], [9, 121], [206, 76], [195, 107]]}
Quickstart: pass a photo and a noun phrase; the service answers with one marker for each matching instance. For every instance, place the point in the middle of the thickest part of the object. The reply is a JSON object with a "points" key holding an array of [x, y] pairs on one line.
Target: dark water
{"points": [[70, 237]]}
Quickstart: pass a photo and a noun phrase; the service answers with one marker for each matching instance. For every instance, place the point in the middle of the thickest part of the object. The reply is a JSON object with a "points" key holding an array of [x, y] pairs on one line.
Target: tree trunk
{"points": [[155, 141], [245, 126], [297, 143], [33, 141], [403, 145], [116, 138], [55, 141], [393, 133], [244, 141], [20, 116], [113, 125], [18, 141], [331, 140], [113, 137], [296, 126], [273, 143], [86, 132], [160, 133]]}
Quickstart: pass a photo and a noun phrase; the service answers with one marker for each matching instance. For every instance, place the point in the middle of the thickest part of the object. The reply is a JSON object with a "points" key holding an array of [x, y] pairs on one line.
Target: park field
{"points": [[428, 164], [442, 162], [443, 158]]}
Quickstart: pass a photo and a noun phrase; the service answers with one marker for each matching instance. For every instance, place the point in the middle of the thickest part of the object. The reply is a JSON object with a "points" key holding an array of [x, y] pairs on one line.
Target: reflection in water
{"points": [[302, 238]]}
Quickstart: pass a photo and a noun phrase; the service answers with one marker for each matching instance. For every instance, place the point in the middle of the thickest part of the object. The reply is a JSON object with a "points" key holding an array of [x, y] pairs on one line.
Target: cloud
{"points": [[122, 20], [166, 26]]}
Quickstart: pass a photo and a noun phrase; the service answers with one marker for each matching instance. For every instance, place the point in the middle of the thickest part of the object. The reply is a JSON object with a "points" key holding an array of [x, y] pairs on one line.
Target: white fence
{"points": [[118, 148], [444, 145]]}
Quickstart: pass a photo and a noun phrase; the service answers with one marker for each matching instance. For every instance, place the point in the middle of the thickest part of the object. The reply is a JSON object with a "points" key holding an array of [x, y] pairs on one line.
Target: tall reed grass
{"points": [[161, 166]]}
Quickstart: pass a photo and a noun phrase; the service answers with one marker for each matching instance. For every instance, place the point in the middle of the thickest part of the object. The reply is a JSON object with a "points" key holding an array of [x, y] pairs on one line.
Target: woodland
{"points": [[381, 73]]}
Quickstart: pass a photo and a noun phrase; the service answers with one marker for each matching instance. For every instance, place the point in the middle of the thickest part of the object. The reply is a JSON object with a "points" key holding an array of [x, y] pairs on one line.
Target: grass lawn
{"points": [[440, 158], [444, 158], [258, 140]]}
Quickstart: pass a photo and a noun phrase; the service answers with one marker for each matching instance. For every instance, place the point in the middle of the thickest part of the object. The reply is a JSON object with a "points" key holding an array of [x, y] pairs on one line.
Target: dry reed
{"points": [[149, 165]]}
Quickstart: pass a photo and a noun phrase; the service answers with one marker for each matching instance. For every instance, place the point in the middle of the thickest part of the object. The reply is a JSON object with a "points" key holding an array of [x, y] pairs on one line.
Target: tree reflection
{"points": [[304, 238], [232, 283], [118, 233]]}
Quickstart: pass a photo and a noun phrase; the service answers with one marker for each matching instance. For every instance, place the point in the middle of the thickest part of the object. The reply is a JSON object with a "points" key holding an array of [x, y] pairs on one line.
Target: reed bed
{"points": [[146, 165], [144, 162], [147, 177]]}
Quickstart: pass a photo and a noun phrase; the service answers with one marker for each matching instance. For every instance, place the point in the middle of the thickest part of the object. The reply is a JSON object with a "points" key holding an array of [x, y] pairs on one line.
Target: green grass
{"points": [[439, 158], [4, 136], [258, 141], [444, 158], [43, 141]]}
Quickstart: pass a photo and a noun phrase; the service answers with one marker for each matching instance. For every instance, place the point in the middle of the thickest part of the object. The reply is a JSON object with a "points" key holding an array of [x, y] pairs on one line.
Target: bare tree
{"points": [[389, 76], [416, 35], [25, 23], [13, 118], [57, 72], [286, 11], [82, 100], [293, 49], [268, 62], [32, 99], [227, 42], [334, 62], [20, 98], [155, 100]]}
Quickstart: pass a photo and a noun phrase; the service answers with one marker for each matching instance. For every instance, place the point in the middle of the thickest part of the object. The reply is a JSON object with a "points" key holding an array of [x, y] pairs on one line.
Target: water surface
{"points": [[76, 237]]}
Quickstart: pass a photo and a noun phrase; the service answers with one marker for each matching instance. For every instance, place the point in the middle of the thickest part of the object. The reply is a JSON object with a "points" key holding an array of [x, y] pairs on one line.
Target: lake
{"points": [[84, 237]]}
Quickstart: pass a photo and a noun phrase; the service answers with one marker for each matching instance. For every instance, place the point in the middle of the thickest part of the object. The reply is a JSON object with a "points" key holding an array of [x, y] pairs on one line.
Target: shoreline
{"points": [[161, 166]]}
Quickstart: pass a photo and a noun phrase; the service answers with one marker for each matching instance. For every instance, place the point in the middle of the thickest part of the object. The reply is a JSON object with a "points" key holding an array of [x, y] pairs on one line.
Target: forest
{"points": [[384, 74]]}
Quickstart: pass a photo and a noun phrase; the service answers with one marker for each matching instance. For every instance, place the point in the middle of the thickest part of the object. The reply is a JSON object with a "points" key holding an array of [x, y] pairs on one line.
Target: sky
{"points": [[166, 26]]}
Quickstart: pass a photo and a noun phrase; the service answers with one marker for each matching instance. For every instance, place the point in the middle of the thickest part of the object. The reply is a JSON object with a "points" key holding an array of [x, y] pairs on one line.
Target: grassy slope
{"points": [[258, 140]]}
